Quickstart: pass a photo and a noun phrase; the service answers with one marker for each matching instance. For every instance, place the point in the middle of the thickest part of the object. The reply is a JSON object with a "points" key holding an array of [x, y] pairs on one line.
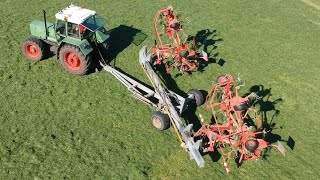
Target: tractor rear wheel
{"points": [[73, 60], [34, 48], [160, 121]]}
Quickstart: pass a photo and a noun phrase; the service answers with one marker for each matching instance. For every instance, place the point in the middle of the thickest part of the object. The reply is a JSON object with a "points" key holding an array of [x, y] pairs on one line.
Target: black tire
{"points": [[34, 49], [160, 121], [73, 60], [175, 25], [242, 106], [198, 96], [251, 145]]}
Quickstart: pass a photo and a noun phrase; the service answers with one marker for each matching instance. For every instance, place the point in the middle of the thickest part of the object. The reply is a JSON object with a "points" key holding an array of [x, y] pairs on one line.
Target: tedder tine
{"points": [[205, 56], [281, 148]]}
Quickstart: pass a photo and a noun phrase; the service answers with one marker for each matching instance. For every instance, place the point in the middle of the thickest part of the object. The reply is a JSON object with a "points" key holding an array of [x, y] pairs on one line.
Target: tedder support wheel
{"points": [[160, 121], [175, 25], [251, 145], [198, 96], [34, 48], [242, 106], [73, 60]]}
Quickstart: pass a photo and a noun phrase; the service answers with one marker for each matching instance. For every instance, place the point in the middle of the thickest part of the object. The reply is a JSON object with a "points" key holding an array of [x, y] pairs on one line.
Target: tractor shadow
{"points": [[48, 55], [207, 40], [121, 37]]}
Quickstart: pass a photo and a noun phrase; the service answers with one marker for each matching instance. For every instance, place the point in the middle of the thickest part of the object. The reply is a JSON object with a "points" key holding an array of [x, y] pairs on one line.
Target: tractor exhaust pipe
{"points": [[45, 23]]}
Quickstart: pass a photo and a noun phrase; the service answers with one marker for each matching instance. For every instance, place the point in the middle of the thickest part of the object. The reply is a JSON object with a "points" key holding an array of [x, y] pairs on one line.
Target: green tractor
{"points": [[77, 37]]}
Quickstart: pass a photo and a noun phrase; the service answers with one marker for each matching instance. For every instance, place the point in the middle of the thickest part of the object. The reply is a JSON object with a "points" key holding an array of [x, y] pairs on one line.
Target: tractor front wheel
{"points": [[34, 48], [74, 61]]}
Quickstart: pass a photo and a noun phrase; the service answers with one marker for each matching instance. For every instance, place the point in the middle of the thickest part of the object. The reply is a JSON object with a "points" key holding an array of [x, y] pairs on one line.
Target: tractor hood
{"points": [[38, 29], [95, 24]]}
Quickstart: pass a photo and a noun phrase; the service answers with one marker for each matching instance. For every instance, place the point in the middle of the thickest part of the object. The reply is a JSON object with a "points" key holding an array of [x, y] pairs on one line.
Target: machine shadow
{"points": [[266, 106], [207, 40], [168, 80]]}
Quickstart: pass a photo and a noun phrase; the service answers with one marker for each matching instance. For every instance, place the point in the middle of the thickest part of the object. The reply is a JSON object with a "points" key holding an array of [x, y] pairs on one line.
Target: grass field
{"points": [[55, 125]]}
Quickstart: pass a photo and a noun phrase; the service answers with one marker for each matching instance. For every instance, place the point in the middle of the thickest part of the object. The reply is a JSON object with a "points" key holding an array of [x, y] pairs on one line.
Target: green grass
{"points": [[54, 125]]}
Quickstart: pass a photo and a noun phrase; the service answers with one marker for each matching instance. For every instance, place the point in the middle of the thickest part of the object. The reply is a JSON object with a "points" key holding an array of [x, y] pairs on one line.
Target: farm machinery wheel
{"points": [[160, 121], [198, 96], [34, 49], [251, 145], [74, 61], [243, 106]]}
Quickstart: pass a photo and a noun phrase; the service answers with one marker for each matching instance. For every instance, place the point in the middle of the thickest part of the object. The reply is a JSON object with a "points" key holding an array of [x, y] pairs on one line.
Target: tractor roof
{"points": [[74, 14]]}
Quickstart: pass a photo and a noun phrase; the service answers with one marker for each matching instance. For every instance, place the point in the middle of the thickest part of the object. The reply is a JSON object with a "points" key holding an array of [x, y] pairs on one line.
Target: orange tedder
{"points": [[237, 133], [176, 52]]}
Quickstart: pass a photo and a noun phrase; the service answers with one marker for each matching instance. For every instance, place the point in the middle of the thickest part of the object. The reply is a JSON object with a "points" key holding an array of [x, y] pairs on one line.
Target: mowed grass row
{"points": [[55, 125]]}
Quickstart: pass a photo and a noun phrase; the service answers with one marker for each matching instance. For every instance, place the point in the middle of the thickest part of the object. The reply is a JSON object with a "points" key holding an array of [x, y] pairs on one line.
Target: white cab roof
{"points": [[74, 14]]}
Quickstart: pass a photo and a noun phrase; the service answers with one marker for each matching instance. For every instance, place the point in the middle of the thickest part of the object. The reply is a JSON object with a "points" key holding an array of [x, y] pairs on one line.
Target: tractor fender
{"points": [[83, 45]]}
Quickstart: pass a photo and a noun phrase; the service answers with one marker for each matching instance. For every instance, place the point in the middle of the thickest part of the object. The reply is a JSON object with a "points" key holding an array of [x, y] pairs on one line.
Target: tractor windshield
{"points": [[94, 22]]}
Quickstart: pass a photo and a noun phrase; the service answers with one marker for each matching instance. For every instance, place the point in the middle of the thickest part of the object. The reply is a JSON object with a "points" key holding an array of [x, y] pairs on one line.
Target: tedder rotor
{"points": [[236, 133], [174, 52]]}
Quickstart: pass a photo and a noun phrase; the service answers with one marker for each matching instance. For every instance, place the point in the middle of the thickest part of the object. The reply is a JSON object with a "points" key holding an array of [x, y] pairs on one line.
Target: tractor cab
{"points": [[80, 23]]}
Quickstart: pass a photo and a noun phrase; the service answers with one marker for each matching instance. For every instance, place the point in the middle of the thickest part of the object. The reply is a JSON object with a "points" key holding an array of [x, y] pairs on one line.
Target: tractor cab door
{"points": [[73, 30], [61, 30]]}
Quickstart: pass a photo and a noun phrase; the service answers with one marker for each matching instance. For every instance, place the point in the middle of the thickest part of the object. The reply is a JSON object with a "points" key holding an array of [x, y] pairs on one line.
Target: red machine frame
{"points": [[235, 132], [182, 53]]}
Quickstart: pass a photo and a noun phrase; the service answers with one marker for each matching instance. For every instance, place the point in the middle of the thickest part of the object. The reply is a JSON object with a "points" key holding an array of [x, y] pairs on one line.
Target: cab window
{"points": [[73, 30]]}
